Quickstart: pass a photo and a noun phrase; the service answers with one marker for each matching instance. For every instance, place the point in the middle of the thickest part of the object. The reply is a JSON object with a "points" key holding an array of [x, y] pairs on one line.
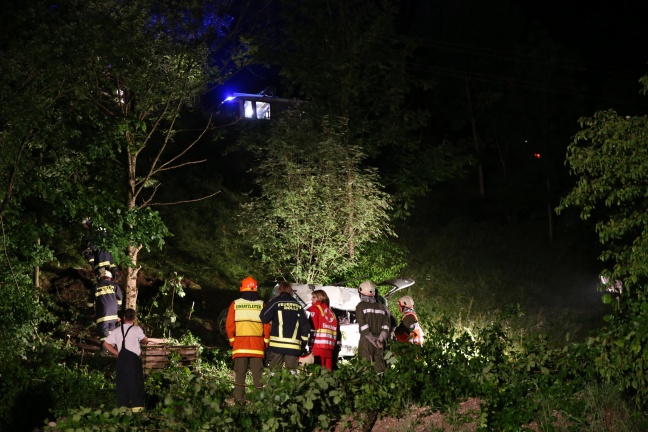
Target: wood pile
{"points": [[155, 354]]}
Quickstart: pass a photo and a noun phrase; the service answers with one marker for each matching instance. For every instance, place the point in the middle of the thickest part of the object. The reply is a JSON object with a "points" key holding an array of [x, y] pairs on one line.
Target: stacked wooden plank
{"points": [[156, 353]]}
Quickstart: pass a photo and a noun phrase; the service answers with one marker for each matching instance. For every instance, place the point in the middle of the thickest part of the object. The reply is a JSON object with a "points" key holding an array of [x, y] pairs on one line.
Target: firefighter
{"points": [[409, 329], [106, 299], [289, 329], [373, 319], [248, 336], [103, 261], [100, 260], [324, 325]]}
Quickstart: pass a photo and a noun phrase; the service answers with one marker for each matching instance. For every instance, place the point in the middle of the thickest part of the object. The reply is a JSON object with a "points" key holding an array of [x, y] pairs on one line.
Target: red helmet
{"points": [[248, 284]]}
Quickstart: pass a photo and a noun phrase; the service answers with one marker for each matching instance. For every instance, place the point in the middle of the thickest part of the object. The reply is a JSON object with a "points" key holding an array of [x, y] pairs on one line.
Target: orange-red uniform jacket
{"points": [[325, 326], [409, 329], [247, 335]]}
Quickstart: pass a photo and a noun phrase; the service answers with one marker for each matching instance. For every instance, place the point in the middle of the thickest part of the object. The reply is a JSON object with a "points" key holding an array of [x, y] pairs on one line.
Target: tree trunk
{"points": [[549, 211], [134, 268], [351, 214], [473, 124], [131, 279]]}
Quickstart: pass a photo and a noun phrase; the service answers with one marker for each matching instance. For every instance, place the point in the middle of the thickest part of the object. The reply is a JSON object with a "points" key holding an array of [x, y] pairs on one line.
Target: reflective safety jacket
{"points": [[106, 297], [373, 318], [409, 330], [103, 259], [325, 326], [289, 325], [247, 335]]}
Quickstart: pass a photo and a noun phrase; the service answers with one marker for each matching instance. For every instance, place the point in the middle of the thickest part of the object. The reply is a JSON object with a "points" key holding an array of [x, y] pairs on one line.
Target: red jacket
{"points": [[247, 335], [325, 326]]}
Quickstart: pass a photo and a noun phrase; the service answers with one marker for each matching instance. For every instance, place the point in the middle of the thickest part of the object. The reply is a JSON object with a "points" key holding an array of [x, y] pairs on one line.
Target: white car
{"points": [[343, 302]]}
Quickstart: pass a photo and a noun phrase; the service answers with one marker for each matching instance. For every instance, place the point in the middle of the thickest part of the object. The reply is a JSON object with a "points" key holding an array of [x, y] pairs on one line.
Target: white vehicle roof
{"points": [[342, 297]]}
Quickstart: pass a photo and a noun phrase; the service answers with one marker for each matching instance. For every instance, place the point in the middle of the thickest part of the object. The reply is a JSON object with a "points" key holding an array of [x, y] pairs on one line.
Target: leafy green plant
{"points": [[162, 317]]}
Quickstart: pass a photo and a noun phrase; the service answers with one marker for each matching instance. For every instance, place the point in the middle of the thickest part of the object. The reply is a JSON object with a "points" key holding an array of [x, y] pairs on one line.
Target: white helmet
{"points": [[367, 288], [108, 274], [406, 301]]}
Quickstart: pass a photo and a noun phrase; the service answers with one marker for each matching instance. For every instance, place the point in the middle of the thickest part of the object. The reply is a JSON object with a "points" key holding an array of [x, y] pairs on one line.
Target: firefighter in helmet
{"points": [[373, 319], [409, 329], [105, 300], [248, 336]]}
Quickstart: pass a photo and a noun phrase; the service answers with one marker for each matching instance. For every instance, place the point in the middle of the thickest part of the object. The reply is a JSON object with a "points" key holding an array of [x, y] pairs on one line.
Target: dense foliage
{"points": [[99, 101], [517, 382], [317, 205], [608, 156]]}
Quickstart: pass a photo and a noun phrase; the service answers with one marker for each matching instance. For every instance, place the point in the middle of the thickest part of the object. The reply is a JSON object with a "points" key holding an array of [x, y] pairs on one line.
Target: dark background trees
{"points": [[464, 111]]}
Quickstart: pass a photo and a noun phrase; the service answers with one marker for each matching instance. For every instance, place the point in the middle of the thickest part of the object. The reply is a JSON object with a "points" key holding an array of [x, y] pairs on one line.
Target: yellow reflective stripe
{"points": [[280, 317], [247, 351], [119, 302], [285, 345], [108, 289], [247, 328], [107, 318], [326, 331], [283, 339], [231, 340]]}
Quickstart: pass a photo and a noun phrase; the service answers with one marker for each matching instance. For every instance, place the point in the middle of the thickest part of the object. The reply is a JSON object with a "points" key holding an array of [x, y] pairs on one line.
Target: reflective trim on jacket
{"points": [[325, 326], [289, 325], [246, 333]]}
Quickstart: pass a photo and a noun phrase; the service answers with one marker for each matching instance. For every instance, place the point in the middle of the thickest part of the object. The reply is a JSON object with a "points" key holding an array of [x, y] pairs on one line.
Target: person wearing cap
{"points": [[248, 336], [124, 343], [374, 323], [106, 299], [409, 329], [289, 329]]}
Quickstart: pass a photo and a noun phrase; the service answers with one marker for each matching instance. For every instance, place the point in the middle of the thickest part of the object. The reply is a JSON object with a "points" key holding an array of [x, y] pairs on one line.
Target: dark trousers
{"points": [[277, 361], [130, 380], [368, 351], [241, 366], [105, 328]]}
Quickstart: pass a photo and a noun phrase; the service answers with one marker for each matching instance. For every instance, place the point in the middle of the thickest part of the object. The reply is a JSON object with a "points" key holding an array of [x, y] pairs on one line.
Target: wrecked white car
{"points": [[343, 302]]}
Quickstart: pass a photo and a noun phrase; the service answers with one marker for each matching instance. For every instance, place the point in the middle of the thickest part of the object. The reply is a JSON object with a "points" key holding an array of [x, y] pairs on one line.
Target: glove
{"points": [[374, 341], [383, 337]]}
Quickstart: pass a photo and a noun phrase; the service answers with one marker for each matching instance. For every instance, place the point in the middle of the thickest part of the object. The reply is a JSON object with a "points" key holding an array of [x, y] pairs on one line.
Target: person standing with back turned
{"points": [[248, 336], [373, 319], [289, 329], [130, 377], [106, 299]]}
